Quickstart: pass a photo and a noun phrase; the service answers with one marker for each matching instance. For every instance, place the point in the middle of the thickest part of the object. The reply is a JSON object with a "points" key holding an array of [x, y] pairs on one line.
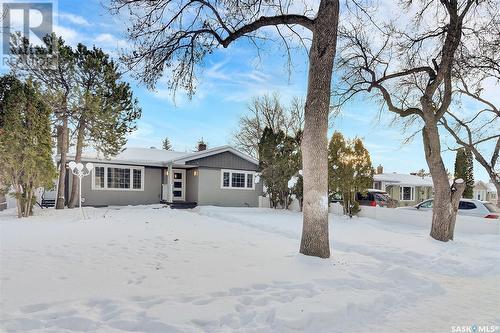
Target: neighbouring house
{"points": [[485, 191], [221, 176], [408, 189]]}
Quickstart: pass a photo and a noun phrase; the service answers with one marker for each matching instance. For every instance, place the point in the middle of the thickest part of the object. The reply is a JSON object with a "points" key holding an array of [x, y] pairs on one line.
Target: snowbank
{"points": [[463, 225], [151, 269]]}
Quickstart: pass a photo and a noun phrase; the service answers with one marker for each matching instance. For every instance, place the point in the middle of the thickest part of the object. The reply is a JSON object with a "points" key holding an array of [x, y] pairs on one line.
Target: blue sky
{"points": [[229, 79]]}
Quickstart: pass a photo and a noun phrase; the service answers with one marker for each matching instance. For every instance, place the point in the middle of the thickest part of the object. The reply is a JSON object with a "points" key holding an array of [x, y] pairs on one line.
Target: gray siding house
{"points": [[221, 176]]}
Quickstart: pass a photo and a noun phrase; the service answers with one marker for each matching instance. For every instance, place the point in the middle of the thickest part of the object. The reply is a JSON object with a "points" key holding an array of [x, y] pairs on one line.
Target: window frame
{"points": [[412, 193], [94, 170], [230, 187], [131, 169]]}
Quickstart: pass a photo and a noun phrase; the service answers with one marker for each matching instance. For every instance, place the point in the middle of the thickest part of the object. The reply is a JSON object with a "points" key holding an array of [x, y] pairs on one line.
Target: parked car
{"points": [[376, 198], [470, 207]]}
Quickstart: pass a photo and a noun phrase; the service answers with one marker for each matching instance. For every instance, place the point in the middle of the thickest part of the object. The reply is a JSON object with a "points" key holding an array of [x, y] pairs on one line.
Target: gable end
{"points": [[224, 160]]}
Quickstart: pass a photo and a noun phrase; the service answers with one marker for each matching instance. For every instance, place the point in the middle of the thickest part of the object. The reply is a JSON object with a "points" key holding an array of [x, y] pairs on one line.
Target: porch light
{"points": [[80, 170], [195, 173]]}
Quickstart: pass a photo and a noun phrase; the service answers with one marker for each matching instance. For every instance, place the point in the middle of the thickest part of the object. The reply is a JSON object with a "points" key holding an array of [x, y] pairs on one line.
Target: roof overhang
{"points": [[179, 162]]}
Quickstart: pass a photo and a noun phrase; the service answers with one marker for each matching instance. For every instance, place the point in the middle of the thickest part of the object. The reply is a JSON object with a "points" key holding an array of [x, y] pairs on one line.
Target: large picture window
{"points": [[121, 178], [118, 178], [407, 193], [237, 179]]}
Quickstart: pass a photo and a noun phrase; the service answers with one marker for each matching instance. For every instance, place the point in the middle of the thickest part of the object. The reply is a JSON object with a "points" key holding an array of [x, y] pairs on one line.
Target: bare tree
{"points": [[477, 131], [178, 35], [410, 69], [474, 122], [267, 111]]}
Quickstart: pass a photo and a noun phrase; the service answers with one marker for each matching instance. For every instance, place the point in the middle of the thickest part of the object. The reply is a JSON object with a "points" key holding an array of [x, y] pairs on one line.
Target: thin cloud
{"points": [[74, 19], [70, 36]]}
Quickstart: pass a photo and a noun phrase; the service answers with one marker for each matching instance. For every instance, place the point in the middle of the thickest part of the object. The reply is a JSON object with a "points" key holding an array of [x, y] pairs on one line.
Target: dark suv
{"points": [[376, 198]]}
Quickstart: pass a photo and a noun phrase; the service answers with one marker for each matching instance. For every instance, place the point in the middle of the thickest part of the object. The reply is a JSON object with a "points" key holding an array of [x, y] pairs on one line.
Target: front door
{"points": [[179, 185]]}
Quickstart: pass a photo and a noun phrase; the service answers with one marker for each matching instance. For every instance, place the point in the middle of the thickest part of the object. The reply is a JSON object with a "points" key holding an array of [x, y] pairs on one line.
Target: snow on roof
{"points": [[141, 156], [403, 179], [157, 157], [488, 186], [491, 187]]}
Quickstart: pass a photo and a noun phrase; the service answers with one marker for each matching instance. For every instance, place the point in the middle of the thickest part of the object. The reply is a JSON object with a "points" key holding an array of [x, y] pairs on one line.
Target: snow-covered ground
{"points": [[151, 269]]}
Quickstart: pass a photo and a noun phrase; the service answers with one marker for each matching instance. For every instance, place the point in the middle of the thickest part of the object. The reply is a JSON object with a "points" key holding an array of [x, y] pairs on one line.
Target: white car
{"points": [[470, 207]]}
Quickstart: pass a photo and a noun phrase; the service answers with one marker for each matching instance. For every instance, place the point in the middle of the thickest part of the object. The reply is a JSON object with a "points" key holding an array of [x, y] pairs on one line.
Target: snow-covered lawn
{"points": [[151, 269]]}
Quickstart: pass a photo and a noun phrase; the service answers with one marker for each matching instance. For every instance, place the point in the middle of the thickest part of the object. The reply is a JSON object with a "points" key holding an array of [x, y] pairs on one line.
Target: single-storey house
{"points": [[485, 191], [221, 176], [408, 189]]}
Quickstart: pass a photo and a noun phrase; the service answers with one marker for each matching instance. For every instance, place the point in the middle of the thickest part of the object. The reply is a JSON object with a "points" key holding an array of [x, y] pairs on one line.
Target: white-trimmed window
{"points": [[237, 179], [118, 178], [407, 193]]}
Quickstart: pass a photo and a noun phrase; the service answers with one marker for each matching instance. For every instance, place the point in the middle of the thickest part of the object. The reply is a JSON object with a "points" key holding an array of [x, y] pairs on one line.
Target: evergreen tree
{"points": [[53, 66], [280, 160], [464, 169], [469, 183], [298, 189], [106, 111], [350, 170], [336, 148], [25, 143], [267, 166], [166, 144]]}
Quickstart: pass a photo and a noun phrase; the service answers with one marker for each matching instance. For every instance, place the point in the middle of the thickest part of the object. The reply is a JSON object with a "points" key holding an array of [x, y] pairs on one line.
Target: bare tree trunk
{"points": [[457, 191], [19, 202], [63, 142], [26, 204], [315, 240], [497, 186], [2, 200], [446, 200], [29, 196], [78, 158]]}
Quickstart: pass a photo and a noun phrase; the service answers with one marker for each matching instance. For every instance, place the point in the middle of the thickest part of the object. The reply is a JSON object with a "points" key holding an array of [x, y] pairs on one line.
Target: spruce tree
{"points": [[166, 144], [25, 144], [464, 169]]}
